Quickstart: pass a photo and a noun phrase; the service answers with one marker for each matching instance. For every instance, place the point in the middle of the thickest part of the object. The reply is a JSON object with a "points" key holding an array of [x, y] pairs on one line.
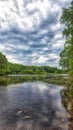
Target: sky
{"points": [[30, 31]]}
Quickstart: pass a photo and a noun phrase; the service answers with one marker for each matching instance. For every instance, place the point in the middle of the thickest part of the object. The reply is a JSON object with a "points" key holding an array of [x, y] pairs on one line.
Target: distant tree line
{"points": [[12, 68], [21, 69]]}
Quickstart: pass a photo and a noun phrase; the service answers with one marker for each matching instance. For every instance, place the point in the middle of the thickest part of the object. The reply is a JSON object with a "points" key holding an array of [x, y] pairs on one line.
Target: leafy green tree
{"points": [[3, 64], [66, 56]]}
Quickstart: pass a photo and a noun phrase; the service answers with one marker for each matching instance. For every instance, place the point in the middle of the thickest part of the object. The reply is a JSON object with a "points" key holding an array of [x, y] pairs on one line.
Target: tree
{"points": [[3, 64], [66, 56]]}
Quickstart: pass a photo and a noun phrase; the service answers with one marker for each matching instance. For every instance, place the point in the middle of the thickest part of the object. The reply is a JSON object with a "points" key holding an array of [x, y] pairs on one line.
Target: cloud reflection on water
{"points": [[40, 101]]}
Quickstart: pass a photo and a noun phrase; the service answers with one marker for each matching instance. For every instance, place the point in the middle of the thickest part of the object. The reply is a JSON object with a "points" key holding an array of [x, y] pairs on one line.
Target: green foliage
{"points": [[12, 68], [3, 64], [66, 56], [21, 69]]}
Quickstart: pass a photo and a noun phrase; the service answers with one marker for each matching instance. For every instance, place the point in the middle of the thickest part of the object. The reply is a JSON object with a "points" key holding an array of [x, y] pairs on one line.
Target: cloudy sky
{"points": [[30, 31]]}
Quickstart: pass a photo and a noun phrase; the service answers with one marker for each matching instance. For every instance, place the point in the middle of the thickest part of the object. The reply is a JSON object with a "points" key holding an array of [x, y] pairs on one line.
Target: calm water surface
{"points": [[32, 106]]}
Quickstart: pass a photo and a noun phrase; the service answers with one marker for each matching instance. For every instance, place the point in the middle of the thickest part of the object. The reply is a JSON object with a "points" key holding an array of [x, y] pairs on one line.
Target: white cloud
{"points": [[40, 60], [26, 16], [2, 47], [30, 31]]}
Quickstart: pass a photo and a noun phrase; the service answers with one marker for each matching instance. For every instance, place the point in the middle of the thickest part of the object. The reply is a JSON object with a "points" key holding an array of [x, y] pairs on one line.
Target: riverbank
{"points": [[51, 79]]}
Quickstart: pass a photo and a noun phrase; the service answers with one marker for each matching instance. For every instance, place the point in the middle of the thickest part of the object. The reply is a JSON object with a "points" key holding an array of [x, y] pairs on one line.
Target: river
{"points": [[33, 105]]}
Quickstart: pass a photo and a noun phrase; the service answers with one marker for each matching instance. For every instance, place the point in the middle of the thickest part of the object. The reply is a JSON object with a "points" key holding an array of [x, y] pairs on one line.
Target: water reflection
{"points": [[32, 106], [67, 101], [7, 80]]}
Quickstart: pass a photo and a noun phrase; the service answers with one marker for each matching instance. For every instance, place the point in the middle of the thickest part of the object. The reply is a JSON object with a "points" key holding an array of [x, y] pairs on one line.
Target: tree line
{"points": [[13, 68]]}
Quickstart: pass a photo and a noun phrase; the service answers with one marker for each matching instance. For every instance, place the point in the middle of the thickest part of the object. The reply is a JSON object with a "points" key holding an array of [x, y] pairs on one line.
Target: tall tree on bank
{"points": [[66, 56], [3, 64]]}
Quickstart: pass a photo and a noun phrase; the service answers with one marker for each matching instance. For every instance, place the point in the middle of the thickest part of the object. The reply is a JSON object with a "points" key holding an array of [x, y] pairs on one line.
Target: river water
{"points": [[32, 106]]}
